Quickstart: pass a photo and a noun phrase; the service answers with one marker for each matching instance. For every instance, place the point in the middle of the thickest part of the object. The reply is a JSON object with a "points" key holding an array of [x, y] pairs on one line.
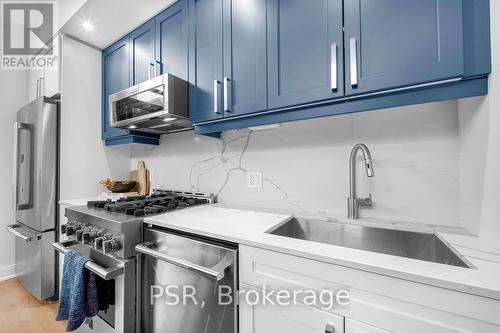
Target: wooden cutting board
{"points": [[141, 176]]}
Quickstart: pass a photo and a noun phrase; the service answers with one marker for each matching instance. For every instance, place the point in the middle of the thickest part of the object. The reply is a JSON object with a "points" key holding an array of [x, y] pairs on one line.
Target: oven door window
{"points": [[141, 105], [106, 298]]}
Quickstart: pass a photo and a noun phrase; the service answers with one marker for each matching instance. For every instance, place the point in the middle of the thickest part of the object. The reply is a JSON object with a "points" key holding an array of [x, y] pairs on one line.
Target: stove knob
{"points": [[70, 230], [115, 244], [98, 243], [106, 246], [86, 239], [79, 233], [111, 245]]}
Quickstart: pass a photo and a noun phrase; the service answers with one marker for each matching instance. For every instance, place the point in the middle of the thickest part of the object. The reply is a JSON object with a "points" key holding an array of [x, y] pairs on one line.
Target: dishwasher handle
{"points": [[216, 272]]}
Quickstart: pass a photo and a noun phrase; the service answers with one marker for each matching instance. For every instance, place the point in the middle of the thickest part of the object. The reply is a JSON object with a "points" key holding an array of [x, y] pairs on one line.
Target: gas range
{"points": [[114, 227]]}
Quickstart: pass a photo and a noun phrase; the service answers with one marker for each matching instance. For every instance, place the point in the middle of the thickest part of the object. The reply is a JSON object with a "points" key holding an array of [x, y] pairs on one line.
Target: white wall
{"points": [[84, 158], [12, 98], [305, 164], [480, 156]]}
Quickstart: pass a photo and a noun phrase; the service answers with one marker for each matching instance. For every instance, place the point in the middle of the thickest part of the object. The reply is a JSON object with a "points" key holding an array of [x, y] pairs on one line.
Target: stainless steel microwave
{"points": [[159, 105]]}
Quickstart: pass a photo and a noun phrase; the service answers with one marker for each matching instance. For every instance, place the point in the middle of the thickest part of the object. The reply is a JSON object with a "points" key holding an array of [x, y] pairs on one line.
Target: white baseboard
{"points": [[7, 272]]}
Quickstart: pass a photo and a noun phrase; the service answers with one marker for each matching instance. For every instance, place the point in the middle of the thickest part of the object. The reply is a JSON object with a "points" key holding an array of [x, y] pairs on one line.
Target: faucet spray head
{"points": [[369, 168]]}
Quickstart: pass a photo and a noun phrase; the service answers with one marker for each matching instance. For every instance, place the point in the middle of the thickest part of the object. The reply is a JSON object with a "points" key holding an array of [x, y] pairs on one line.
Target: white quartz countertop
{"points": [[248, 227], [76, 202]]}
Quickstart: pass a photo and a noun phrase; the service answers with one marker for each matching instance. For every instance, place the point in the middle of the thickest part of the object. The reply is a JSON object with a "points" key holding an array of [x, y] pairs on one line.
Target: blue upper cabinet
{"points": [[116, 77], [172, 40], [142, 53], [228, 65], [393, 43], [305, 51], [205, 60], [256, 62], [244, 84]]}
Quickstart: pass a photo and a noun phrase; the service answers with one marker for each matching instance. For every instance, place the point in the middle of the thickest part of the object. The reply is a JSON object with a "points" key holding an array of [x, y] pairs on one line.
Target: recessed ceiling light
{"points": [[87, 25]]}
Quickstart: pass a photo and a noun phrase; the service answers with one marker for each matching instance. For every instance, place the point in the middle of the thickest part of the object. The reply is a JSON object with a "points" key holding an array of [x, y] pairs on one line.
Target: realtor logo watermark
{"points": [[27, 34], [187, 295]]}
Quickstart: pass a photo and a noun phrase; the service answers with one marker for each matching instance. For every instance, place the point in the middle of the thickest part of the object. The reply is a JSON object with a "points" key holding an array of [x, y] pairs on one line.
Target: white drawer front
{"points": [[293, 318], [352, 326], [396, 305]]}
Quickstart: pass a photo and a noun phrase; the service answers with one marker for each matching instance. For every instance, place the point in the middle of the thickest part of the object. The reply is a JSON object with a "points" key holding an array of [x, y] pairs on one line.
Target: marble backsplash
{"points": [[305, 164]]}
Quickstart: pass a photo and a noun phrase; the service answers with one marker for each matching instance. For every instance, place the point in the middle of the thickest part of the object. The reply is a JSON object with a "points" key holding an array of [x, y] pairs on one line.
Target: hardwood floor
{"points": [[22, 313]]}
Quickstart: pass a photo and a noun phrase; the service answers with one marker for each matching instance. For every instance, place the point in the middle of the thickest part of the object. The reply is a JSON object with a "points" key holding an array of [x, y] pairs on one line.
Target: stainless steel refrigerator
{"points": [[35, 195]]}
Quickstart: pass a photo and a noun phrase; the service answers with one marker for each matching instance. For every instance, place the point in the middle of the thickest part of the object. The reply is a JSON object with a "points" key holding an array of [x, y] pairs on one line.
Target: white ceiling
{"points": [[112, 19]]}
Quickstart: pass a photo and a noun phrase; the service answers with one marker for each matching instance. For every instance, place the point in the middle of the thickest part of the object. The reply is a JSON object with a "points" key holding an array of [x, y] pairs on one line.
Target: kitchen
{"points": [[297, 148]]}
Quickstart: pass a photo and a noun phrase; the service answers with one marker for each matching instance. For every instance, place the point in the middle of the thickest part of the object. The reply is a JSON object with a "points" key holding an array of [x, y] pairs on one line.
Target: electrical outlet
{"points": [[254, 179]]}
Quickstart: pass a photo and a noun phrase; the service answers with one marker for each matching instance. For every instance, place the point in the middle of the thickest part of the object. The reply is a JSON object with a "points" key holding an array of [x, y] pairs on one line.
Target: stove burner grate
{"points": [[157, 203]]}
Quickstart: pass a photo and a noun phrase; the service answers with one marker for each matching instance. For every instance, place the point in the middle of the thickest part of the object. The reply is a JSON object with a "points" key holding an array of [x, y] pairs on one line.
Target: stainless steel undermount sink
{"points": [[415, 245]]}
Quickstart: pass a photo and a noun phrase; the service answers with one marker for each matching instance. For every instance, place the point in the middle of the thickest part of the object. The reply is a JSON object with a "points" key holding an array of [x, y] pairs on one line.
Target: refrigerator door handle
{"points": [[18, 126], [14, 166], [12, 229]]}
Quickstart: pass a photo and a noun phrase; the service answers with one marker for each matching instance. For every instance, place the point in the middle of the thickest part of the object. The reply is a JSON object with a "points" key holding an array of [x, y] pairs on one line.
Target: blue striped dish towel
{"points": [[78, 295]]}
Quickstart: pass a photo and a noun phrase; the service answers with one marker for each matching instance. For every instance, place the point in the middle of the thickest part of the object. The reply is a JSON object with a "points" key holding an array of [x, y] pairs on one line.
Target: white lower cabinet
{"points": [[352, 326], [292, 318], [377, 303]]}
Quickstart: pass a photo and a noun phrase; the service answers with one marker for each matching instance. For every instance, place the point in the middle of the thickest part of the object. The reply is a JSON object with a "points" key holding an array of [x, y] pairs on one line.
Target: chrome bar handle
{"points": [[105, 273], [37, 88], [12, 229], [227, 94], [216, 272], [151, 64], [158, 69], [15, 169], [216, 96], [333, 66], [354, 61], [41, 87], [329, 328]]}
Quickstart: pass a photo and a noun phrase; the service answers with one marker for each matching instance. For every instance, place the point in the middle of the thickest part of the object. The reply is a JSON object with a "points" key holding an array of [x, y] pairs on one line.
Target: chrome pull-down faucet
{"points": [[354, 203]]}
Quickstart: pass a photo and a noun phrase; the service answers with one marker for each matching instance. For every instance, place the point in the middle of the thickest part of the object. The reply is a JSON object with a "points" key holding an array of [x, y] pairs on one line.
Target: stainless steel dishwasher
{"points": [[186, 284]]}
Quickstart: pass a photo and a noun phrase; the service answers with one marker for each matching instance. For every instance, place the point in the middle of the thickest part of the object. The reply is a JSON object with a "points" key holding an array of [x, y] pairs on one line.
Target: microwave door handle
{"points": [[216, 272]]}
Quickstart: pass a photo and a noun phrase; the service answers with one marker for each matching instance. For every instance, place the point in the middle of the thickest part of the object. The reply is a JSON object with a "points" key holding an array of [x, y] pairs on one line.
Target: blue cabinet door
{"points": [[172, 40], [245, 51], [394, 43], [116, 77], [305, 51], [142, 53], [205, 60]]}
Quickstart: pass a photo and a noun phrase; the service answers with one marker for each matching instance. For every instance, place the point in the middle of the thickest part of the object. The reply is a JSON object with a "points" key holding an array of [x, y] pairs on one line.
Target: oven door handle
{"points": [[105, 273], [215, 272]]}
